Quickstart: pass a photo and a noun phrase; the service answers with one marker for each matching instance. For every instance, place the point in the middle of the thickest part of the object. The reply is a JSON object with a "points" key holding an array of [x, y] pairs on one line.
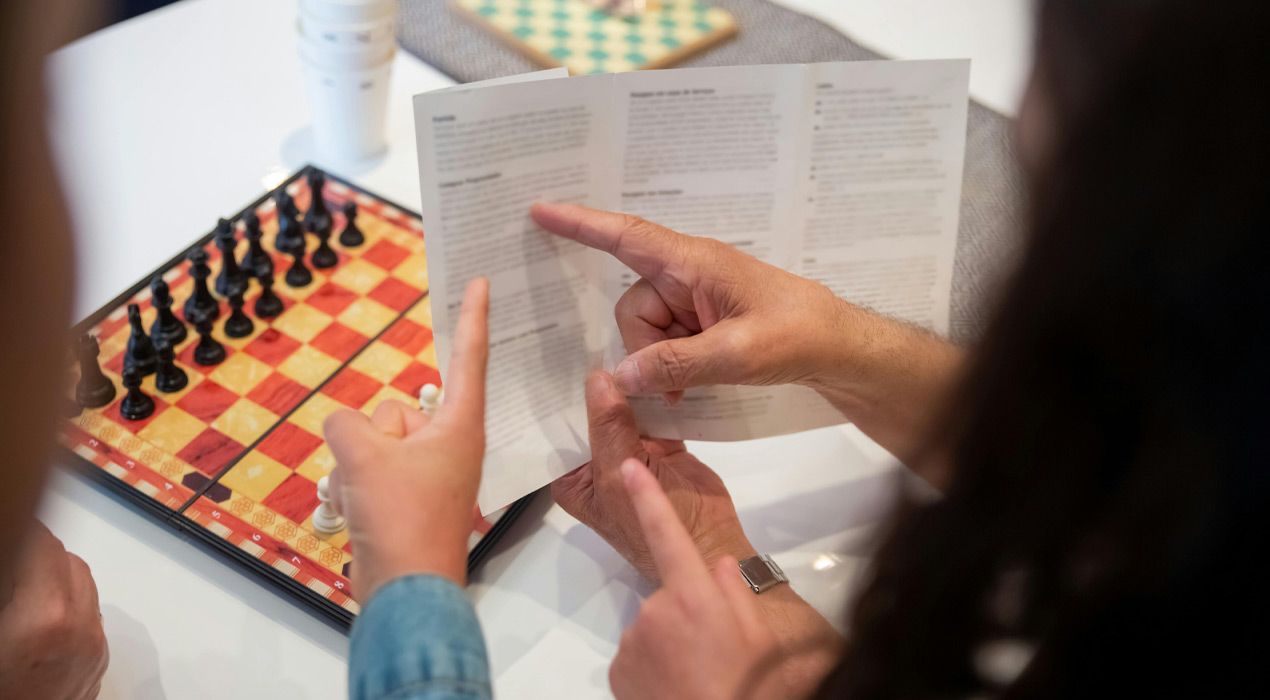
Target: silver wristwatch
{"points": [[762, 573]]}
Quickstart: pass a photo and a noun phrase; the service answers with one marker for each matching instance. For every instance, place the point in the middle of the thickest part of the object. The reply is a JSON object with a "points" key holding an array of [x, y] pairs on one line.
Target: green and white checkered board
{"points": [[571, 33]]}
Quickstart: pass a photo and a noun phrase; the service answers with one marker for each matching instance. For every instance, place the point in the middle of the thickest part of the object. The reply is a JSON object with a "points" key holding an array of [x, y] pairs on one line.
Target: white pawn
{"points": [[430, 397], [326, 519]]}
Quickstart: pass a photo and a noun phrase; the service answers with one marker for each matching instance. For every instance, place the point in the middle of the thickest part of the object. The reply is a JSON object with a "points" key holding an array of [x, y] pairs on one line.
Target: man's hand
{"points": [[408, 484], [51, 640], [594, 493], [702, 635], [705, 313]]}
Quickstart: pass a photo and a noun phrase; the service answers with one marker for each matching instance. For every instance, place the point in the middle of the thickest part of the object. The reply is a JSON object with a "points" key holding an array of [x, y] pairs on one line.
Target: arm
{"points": [[418, 638], [706, 313], [890, 379], [407, 485]]}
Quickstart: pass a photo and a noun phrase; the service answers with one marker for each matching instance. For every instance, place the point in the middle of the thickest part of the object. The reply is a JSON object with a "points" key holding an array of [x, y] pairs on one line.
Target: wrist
{"points": [[373, 567], [810, 647], [737, 546], [843, 353]]}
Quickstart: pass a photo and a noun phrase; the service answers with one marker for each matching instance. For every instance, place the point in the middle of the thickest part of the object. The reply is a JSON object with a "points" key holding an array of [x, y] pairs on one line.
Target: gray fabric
{"points": [[991, 189]]}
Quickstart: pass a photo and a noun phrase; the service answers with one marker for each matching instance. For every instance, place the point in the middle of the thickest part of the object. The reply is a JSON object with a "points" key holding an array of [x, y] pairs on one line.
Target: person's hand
{"points": [[407, 484], [700, 636], [51, 640], [594, 493], [705, 313]]}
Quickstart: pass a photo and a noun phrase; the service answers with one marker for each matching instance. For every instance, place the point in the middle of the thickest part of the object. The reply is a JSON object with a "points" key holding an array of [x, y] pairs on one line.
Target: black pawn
{"points": [[238, 325], [94, 389], [209, 351], [351, 236], [167, 326], [135, 405], [268, 304], [324, 255], [318, 216], [201, 303], [290, 236], [298, 275], [169, 378], [256, 259], [231, 276], [141, 355]]}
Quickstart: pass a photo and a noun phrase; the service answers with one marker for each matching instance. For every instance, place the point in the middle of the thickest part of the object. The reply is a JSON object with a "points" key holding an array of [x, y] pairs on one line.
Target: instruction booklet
{"points": [[846, 173]]}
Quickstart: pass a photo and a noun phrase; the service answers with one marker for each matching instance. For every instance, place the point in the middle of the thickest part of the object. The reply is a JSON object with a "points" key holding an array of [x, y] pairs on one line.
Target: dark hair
{"points": [[1110, 500]]}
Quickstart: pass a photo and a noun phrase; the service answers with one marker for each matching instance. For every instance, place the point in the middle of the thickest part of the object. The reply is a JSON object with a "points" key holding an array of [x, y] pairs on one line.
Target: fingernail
{"points": [[627, 376]]}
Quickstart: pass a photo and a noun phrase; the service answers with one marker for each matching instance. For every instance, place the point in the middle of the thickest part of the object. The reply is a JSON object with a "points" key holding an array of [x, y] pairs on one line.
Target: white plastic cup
{"points": [[349, 107], [349, 11], [344, 35], [331, 57]]}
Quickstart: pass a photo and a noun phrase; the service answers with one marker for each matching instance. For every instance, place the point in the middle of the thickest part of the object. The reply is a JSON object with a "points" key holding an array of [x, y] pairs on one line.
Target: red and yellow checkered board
{"points": [[235, 456]]}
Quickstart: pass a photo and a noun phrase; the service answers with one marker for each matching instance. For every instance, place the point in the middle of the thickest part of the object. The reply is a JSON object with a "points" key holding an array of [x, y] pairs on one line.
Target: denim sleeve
{"points": [[418, 638]]}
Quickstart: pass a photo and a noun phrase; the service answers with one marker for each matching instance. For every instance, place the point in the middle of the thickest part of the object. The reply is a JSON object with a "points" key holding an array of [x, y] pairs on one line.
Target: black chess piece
{"points": [[94, 389], [324, 255], [231, 276], [318, 216], [209, 351], [351, 236], [140, 355], [135, 405], [201, 303], [256, 259], [239, 324], [268, 304], [290, 236], [166, 325], [298, 275], [169, 377]]}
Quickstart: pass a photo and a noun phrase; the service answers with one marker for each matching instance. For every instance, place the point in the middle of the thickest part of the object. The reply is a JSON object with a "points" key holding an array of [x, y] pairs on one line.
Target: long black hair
{"points": [[1110, 502]]}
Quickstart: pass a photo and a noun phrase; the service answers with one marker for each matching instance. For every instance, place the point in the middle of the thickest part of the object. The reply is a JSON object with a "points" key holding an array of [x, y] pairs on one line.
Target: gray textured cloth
{"points": [[991, 189]]}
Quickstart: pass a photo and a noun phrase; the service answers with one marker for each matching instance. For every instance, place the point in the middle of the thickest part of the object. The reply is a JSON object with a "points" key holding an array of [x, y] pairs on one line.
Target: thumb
{"points": [[613, 434], [708, 357]]}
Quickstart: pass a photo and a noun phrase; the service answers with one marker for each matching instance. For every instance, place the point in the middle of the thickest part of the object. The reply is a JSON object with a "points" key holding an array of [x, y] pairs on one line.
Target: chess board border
{"points": [[282, 584], [543, 60]]}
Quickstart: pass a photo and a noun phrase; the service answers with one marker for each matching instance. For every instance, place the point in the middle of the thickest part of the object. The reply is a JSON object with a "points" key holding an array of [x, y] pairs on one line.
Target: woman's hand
{"points": [[51, 639], [702, 634], [705, 313], [594, 493], [406, 483]]}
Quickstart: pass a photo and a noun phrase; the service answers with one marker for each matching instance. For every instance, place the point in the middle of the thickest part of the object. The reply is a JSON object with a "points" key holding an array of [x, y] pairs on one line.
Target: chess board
{"points": [[573, 34], [233, 458]]}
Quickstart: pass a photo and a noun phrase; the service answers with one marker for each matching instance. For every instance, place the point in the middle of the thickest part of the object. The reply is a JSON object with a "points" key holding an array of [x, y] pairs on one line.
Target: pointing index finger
{"points": [[678, 561], [643, 246]]}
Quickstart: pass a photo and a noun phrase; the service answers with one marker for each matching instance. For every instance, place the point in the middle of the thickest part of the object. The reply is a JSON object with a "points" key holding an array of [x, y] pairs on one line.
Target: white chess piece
{"points": [[430, 397], [326, 519]]}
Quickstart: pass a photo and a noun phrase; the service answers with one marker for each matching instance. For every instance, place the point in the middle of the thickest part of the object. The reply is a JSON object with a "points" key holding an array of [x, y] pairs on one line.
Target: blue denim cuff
{"points": [[418, 637]]}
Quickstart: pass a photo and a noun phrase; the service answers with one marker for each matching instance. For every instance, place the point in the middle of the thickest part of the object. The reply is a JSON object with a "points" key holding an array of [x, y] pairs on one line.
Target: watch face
{"points": [[757, 573]]}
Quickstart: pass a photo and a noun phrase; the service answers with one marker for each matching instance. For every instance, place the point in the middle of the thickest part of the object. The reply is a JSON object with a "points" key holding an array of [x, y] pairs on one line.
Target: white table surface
{"points": [[165, 122]]}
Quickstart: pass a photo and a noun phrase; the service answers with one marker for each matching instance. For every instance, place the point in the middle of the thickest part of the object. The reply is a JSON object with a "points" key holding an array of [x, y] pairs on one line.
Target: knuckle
{"points": [[673, 363], [55, 629], [741, 349]]}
